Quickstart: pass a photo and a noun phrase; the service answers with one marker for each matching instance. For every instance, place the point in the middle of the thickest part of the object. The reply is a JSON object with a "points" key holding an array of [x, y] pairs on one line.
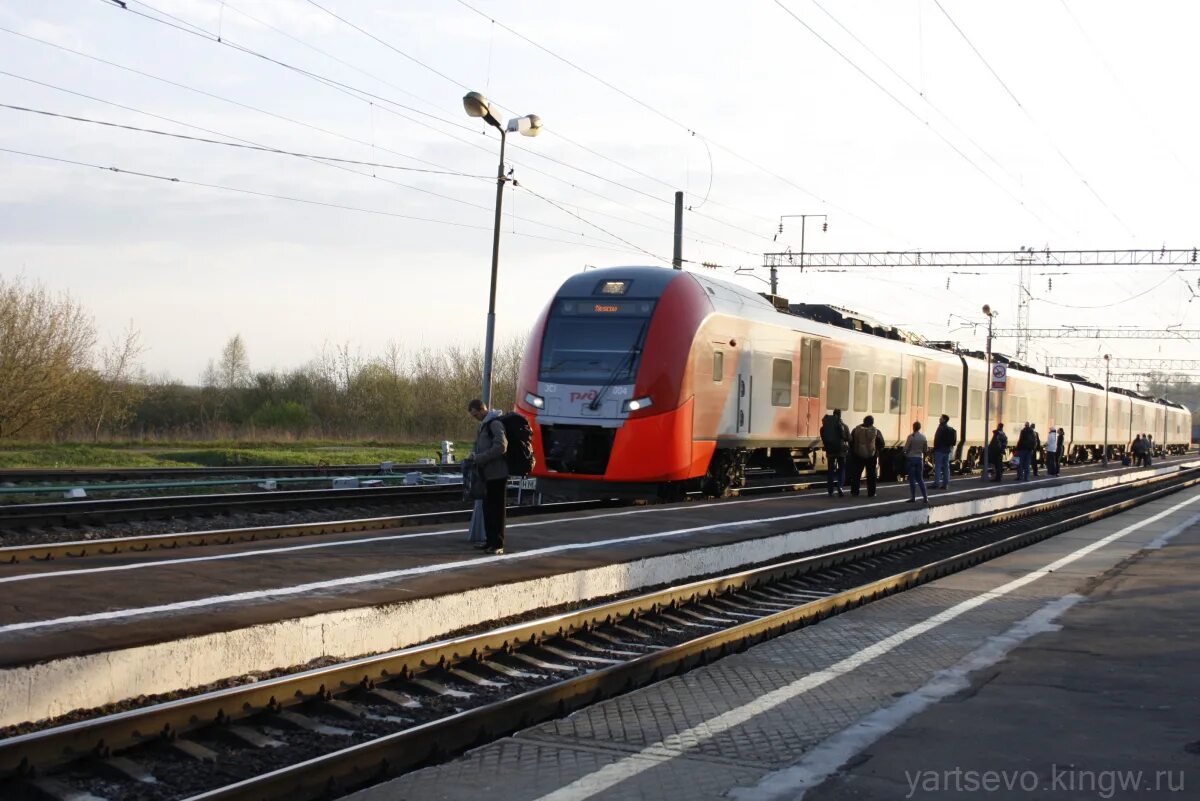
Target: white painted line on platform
{"points": [[286, 549], [678, 744], [911, 517]]}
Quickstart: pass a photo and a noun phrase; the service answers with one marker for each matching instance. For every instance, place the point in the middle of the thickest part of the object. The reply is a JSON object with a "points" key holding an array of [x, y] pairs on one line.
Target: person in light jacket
{"points": [[914, 458], [1052, 452], [487, 456]]}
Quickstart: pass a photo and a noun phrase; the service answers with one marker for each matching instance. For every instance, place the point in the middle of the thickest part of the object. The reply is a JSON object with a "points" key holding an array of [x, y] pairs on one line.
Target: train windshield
{"points": [[594, 341]]}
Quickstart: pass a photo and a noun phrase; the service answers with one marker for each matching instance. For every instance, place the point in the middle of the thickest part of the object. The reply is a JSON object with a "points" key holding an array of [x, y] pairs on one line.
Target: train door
{"points": [[745, 383], [809, 411]]}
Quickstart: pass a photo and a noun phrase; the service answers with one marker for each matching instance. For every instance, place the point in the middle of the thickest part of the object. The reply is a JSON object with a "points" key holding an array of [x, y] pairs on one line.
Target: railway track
{"points": [[83, 513], [91, 512], [317, 733], [23, 476]]}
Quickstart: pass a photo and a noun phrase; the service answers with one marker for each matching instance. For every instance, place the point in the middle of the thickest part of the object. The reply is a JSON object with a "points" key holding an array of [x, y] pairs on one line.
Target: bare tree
{"points": [[45, 348], [120, 382]]}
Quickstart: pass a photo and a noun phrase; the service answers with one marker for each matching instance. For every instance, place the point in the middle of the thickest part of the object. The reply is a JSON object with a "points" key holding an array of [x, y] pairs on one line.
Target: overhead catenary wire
{"points": [[261, 149], [288, 198], [355, 92], [1050, 140], [257, 109], [925, 123]]}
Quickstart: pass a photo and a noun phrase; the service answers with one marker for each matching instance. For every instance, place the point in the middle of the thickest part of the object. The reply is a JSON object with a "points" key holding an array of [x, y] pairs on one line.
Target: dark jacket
{"points": [[490, 445], [1026, 440], [1062, 443], [999, 442], [944, 438], [835, 435]]}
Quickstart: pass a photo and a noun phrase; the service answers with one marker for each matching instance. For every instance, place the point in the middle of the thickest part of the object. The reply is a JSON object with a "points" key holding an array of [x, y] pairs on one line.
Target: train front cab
{"points": [[606, 421]]}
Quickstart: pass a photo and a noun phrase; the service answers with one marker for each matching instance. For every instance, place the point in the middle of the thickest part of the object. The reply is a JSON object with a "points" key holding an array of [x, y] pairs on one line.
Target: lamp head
{"points": [[529, 125], [476, 105], [987, 310]]}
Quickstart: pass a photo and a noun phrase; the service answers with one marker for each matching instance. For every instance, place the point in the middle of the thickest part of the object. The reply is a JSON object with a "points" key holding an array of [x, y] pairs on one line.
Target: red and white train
{"points": [[649, 381]]}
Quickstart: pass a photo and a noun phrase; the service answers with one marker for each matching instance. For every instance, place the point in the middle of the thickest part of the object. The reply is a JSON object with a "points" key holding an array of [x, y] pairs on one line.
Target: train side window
{"points": [[934, 409], [950, 402], [975, 404], [878, 393], [805, 360], [861, 391], [814, 370], [918, 396], [781, 382], [838, 388], [718, 365], [898, 397]]}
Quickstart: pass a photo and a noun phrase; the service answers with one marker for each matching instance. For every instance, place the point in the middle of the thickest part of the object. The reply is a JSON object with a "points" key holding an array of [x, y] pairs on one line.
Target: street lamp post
{"points": [[1107, 375], [987, 392], [477, 105]]}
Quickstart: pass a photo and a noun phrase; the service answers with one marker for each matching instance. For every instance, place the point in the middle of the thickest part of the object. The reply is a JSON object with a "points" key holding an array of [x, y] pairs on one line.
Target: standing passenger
{"points": [[865, 444], [996, 450], [1062, 448], [1149, 449], [914, 458], [835, 437], [488, 458], [1037, 447], [1052, 452], [944, 440], [1024, 450]]}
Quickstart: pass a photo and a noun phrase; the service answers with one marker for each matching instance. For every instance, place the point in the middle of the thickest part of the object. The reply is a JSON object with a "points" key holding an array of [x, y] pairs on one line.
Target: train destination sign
{"points": [[606, 307]]}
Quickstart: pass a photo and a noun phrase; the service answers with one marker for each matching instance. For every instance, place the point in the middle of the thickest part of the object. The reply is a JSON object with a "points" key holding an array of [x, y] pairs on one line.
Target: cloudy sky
{"points": [[913, 124]]}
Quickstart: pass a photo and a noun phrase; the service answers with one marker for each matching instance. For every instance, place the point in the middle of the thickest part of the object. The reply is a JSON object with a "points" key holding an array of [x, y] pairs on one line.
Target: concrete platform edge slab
{"points": [[47, 690]]}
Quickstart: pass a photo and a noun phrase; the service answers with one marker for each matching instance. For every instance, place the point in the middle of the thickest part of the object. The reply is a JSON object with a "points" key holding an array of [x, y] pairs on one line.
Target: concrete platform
{"points": [[1070, 665], [85, 632]]}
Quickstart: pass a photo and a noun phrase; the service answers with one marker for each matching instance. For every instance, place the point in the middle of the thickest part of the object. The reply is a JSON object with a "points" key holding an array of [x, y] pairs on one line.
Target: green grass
{"points": [[216, 454]]}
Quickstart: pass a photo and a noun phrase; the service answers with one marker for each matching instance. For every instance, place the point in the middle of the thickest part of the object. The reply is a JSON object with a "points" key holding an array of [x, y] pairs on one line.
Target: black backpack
{"points": [[519, 454]]}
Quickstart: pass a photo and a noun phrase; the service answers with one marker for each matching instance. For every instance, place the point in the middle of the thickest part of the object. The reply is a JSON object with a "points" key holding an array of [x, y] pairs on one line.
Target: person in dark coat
{"points": [[1062, 450], [1023, 452], [835, 437], [866, 443], [996, 449], [944, 440], [1037, 448], [487, 456]]}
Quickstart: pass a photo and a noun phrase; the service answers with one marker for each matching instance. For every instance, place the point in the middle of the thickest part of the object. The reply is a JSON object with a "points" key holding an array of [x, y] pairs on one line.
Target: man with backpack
{"points": [[866, 442], [835, 436], [487, 457], [1024, 451], [944, 440]]}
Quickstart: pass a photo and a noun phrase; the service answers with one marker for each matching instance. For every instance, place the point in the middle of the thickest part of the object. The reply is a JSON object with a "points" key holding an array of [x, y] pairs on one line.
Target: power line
{"points": [[910, 111], [195, 30], [927, 101], [289, 198], [652, 109], [1132, 257], [261, 149], [597, 227], [1038, 125], [251, 108]]}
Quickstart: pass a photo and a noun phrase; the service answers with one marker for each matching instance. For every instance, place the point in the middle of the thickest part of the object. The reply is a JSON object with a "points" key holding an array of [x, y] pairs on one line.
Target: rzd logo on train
{"points": [[590, 395]]}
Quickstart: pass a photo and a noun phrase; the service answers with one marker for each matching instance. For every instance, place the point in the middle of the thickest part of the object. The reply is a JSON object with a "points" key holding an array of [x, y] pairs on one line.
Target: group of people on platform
{"points": [[853, 452]]}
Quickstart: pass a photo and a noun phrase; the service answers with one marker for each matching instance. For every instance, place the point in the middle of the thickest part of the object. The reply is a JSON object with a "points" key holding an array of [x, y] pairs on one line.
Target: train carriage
{"points": [[646, 381]]}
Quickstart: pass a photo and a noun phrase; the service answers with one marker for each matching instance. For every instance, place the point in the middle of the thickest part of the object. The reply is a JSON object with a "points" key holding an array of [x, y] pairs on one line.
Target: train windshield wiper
{"points": [[630, 355]]}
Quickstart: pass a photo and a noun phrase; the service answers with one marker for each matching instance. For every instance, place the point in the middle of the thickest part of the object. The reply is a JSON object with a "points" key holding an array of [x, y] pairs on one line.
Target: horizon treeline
{"points": [[58, 383]]}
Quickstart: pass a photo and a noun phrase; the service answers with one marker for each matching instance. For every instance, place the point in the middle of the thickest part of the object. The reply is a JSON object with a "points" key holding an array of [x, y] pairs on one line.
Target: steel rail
{"points": [[31, 515], [40, 552], [101, 736], [393, 754], [116, 474]]}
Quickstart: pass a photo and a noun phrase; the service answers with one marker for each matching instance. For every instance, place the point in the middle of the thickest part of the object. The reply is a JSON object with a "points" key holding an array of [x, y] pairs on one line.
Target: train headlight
{"points": [[638, 403], [536, 401]]}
